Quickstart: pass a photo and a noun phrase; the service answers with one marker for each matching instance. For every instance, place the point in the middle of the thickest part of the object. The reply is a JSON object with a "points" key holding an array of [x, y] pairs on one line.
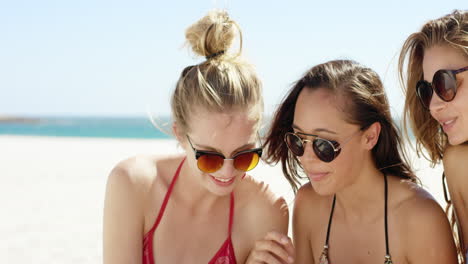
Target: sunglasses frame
{"points": [[336, 149], [316, 137], [420, 83], [199, 153]]}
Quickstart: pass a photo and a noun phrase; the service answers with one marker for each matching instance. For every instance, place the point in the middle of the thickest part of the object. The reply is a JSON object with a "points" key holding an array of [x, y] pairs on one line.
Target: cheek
{"points": [[341, 167], [464, 125], [347, 161], [461, 108], [344, 174], [462, 96]]}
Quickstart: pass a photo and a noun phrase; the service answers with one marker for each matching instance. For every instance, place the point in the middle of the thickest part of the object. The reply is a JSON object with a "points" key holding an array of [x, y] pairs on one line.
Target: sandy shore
{"points": [[52, 191]]}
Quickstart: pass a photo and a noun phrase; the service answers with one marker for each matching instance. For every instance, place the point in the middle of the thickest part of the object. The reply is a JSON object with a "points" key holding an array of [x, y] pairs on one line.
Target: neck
{"points": [[363, 200]]}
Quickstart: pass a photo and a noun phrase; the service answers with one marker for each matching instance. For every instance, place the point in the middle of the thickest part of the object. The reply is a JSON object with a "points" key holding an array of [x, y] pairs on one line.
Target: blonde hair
{"points": [[222, 82], [452, 31]]}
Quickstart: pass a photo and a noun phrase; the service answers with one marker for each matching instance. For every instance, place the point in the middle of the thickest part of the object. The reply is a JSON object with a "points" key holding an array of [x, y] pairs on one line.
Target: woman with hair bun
{"points": [[433, 67], [201, 207]]}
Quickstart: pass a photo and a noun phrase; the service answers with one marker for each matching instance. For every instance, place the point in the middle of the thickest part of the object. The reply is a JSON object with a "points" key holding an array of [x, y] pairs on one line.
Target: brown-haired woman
{"points": [[433, 66], [362, 203], [201, 207]]}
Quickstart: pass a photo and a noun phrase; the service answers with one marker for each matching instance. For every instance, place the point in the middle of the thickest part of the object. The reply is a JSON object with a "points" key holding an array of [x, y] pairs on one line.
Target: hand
{"points": [[274, 248]]}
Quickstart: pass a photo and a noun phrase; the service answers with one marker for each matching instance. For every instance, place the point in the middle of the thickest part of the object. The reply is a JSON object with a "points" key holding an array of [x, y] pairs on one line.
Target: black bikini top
{"points": [[324, 256]]}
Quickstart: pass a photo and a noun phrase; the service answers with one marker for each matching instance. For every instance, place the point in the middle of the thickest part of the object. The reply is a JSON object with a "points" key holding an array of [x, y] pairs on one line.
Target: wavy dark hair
{"points": [[366, 103]]}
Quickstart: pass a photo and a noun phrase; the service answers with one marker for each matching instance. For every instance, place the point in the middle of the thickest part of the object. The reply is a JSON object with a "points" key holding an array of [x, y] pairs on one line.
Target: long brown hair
{"points": [[450, 30], [366, 103]]}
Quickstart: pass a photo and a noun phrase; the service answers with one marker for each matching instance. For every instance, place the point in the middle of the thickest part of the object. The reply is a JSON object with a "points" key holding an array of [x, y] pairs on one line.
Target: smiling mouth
{"points": [[448, 124], [223, 181]]}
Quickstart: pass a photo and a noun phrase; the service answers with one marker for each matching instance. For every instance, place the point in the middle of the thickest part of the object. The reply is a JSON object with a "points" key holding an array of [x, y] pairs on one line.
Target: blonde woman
{"points": [[433, 66], [201, 207]]}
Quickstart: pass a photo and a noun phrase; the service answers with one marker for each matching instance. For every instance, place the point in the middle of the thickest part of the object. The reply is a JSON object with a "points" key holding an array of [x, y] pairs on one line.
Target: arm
{"points": [[455, 158], [123, 218], [301, 228], [272, 245], [429, 237]]}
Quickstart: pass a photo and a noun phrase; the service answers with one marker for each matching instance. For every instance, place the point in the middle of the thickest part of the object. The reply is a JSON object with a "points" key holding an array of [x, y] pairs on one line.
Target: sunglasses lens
{"points": [[424, 92], [324, 150], [294, 144], [444, 84], [210, 163], [246, 161]]}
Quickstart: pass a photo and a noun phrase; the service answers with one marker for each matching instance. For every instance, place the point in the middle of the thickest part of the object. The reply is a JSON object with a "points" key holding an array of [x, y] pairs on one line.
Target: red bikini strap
{"points": [[231, 213], [168, 194]]}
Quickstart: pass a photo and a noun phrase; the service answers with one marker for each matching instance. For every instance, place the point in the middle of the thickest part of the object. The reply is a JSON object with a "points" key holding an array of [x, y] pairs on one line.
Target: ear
{"points": [[371, 135]]}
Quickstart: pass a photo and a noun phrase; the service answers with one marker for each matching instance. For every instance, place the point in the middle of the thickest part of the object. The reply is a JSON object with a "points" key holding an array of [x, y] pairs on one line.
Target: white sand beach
{"points": [[52, 192]]}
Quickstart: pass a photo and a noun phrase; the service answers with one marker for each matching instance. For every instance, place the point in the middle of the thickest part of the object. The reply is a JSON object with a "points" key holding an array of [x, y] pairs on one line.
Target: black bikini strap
{"points": [[330, 220], [387, 250], [388, 258]]}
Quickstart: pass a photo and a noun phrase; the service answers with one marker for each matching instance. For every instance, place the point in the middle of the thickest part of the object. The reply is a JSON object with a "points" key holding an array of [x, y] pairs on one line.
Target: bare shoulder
{"points": [[417, 211], [422, 224], [310, 207], [127, 190], [454, 161], [413, 202], [455, 153], [136, 169], [260, 197], [260, 205], [136, 175], [306, 197], [308, 221]]}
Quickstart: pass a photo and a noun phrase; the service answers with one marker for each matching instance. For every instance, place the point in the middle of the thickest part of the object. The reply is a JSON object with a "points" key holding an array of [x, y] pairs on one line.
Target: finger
{"points": [[278, 237], [283, 240], [260, 256], [289, 247], [273, 248]]}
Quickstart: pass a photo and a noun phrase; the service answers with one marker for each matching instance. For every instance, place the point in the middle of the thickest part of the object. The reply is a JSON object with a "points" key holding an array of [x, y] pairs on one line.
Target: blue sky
{"points": [[121, 58]]}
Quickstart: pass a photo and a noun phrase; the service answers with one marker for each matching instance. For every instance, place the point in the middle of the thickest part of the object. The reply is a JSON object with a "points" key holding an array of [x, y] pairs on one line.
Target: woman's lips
{"points": [[317, 176], [223, 182], [448, 124]]}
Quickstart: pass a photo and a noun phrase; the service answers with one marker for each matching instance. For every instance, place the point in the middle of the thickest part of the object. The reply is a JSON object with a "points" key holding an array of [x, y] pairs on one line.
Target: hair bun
{"points": [[212, 35]]}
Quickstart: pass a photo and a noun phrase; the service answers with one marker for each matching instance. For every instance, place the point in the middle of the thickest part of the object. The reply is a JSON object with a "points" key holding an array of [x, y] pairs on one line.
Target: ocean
{"points": [[100, 127]]}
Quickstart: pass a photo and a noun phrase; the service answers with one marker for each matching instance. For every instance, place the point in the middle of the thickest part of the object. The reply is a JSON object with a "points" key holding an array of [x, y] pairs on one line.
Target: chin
{"points": [[323, 190], [456, 139], [221, 191]]}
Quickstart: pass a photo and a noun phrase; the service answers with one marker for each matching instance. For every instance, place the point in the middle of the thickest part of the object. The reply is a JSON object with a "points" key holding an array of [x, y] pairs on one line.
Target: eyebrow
{"points": [[315, 130], [239, 149]]}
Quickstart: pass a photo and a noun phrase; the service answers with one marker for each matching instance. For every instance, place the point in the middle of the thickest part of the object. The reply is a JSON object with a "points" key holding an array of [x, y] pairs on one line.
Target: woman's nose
{"points": [[309, 153], [436, 104], [227, 170]]}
